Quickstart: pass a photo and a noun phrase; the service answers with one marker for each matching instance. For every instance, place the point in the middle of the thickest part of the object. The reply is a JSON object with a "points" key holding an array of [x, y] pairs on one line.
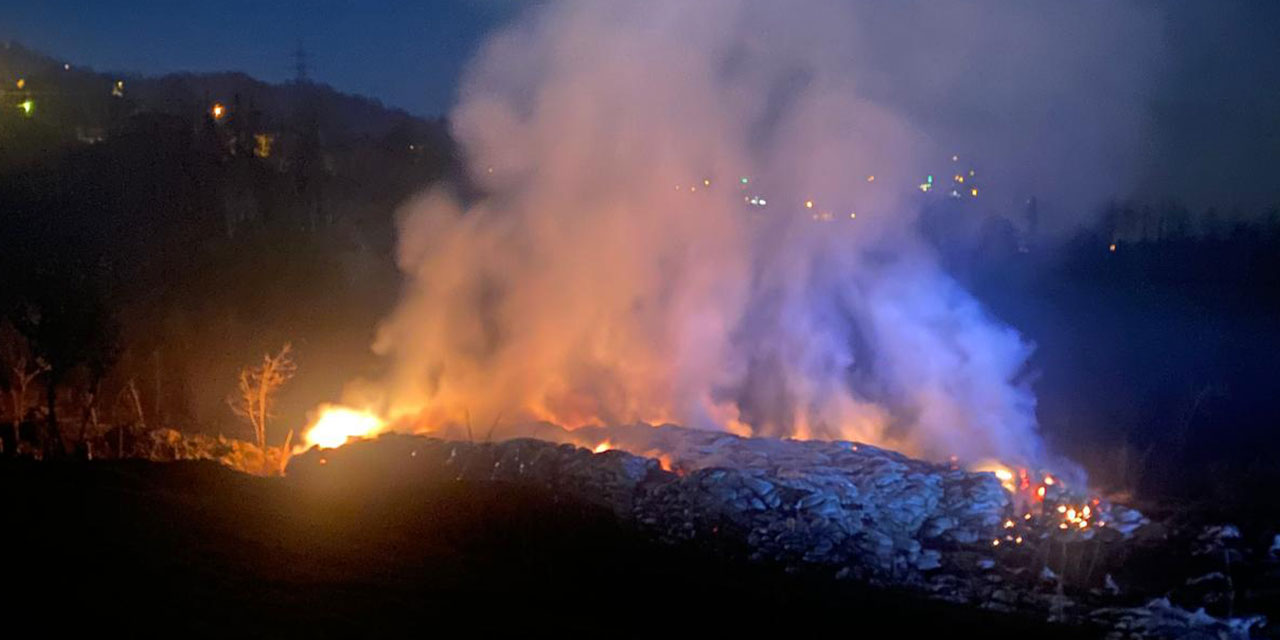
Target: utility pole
{"points": [[300, 65], [306, 158]]}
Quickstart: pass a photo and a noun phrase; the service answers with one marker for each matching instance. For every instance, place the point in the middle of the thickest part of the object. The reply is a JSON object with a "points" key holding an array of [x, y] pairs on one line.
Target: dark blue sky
{"points": [[407, 54], [1216, 103]]}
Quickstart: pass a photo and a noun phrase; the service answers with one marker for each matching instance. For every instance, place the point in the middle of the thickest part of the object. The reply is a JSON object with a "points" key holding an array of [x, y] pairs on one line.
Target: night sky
{"points": [[1216, 108], [406, 53]]}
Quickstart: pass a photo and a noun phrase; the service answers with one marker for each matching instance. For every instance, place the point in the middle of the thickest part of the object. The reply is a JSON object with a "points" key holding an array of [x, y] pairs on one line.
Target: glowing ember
{"points": [[602, 447], [665, 461], [337, 424], [1077, 517], [1002, 473]]}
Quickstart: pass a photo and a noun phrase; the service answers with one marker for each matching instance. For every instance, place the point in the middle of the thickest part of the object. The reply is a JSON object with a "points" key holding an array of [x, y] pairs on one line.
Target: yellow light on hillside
{"points": [[974, 192], [22, 82], [27, 107], [871, 178], [217, 111], [262, 145], [808, 204]]}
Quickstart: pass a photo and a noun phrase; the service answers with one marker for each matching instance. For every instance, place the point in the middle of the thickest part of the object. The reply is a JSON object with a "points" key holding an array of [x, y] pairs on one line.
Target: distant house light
{"points": [[218, 111], [262, 144]]}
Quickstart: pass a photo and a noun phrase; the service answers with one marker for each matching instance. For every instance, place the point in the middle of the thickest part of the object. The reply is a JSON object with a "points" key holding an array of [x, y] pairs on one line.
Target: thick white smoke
{"points": [[616, 271]]}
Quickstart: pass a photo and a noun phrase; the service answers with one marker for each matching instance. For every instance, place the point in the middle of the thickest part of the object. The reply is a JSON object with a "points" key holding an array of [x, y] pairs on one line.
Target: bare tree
{"points": [[130, 394], [257, 389], [23, 369]]}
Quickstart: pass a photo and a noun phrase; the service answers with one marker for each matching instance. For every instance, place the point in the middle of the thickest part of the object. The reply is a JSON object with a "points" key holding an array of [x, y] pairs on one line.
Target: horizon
{"points": [[167, 39], [1214, 129]]}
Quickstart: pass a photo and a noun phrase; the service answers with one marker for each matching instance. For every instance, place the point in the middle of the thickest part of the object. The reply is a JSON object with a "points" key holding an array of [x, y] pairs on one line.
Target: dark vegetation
{"points": [[1156, 361], [149, 249], [153, 244]]}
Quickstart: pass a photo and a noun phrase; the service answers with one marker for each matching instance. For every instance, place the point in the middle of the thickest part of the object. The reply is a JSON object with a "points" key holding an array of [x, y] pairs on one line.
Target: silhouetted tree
{"points": [[256, 394], [21, 370], [67, 325]]}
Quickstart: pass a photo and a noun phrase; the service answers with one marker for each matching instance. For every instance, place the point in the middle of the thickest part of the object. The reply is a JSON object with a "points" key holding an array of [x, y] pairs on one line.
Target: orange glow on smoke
{"points": [[602, 447], [337, 424]]}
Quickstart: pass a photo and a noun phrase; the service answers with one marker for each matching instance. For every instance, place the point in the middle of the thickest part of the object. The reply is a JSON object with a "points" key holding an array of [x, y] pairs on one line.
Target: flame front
{"points": [[337, 424]]}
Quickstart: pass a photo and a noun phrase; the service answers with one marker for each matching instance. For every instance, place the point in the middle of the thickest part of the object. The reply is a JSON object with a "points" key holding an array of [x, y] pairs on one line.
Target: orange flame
{"points": [[336, 424]]}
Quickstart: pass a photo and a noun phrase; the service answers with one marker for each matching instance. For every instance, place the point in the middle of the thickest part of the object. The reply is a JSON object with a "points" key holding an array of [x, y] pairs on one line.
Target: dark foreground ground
{"points": [[192, 548]]}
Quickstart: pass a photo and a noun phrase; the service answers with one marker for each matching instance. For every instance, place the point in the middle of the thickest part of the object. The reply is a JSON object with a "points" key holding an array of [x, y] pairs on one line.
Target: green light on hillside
{"points": [[27, 107]]}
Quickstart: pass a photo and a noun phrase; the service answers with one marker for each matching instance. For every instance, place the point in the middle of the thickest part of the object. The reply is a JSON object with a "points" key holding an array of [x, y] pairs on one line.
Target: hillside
{"points": [[196, 221]]}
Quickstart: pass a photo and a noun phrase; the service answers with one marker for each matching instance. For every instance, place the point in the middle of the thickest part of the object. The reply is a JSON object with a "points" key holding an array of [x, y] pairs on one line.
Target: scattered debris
{"points": [[835, 508]]}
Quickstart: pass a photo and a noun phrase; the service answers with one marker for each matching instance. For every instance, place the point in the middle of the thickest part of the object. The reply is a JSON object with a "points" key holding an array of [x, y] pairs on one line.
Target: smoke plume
{"points": [[617, 270]]}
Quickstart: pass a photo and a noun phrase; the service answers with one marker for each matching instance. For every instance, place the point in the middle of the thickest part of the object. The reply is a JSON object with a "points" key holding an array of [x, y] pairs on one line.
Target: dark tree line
{"points": [[1157, 333]]}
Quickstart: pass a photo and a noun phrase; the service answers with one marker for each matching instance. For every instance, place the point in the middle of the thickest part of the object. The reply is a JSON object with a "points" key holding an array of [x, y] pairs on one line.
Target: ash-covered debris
{"points": [[1161, 619], [850, 510]]}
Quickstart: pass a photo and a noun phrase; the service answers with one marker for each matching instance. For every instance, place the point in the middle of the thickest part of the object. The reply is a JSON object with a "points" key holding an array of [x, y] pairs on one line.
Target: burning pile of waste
{"points": [[851, 510], [640, 247]]}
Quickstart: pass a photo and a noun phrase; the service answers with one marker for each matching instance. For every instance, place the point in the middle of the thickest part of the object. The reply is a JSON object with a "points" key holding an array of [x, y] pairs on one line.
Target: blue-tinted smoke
{"points": [[704, 213]]}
